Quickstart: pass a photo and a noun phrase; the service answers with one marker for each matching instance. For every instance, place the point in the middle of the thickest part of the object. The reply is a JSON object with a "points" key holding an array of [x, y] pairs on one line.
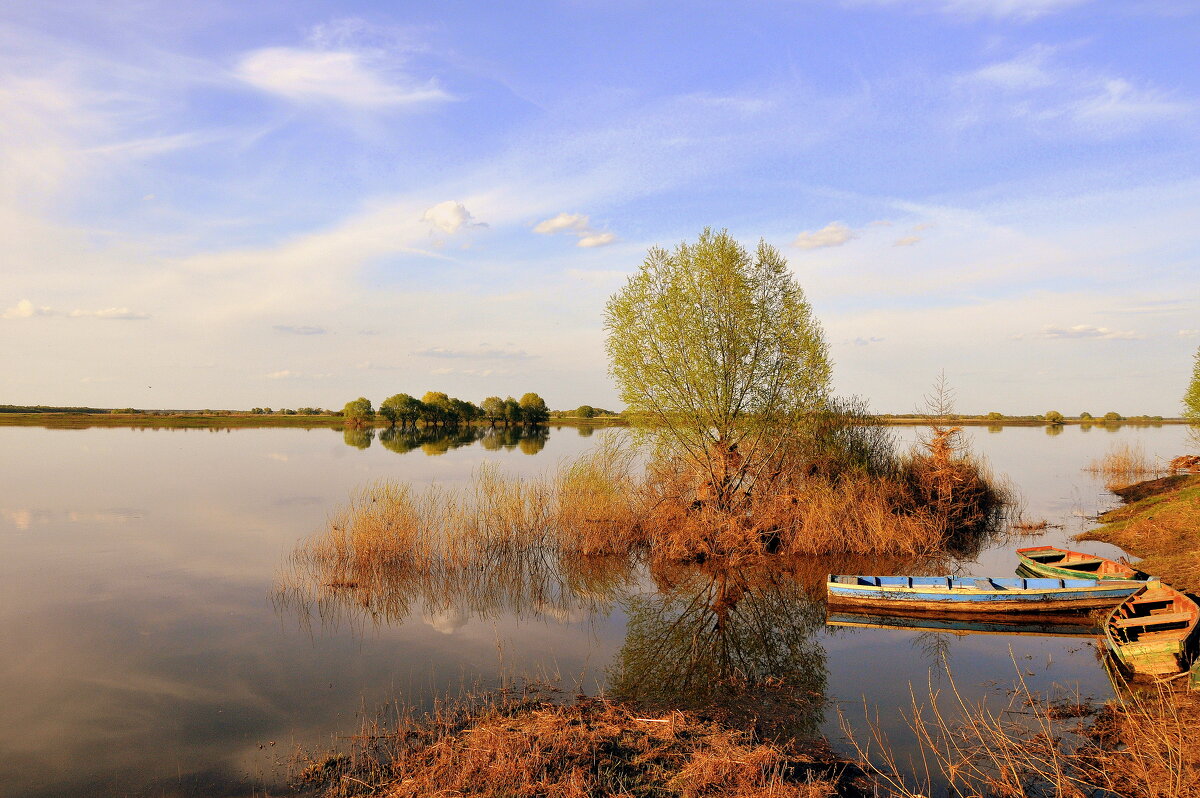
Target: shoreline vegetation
{"points": [[82, 418]]}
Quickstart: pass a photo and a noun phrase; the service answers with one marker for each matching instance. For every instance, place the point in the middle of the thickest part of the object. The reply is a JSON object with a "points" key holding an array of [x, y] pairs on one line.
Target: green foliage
{"points": [[716, 346], [512, 411], [585, 411], [1085, 416], [493, 409], [359, 412], [1112, 416], [401, 407], [533, 409], [1191, 399], [1054, 417], [994, 416]]}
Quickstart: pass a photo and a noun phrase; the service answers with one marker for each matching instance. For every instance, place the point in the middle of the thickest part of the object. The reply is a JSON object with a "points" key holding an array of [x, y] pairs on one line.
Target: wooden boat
{"points": [[1051, 561], [949, 595], [1041, 624], [1148, 632]]}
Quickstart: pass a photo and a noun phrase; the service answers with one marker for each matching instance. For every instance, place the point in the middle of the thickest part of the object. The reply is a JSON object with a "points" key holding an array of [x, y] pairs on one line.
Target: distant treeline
{"points": [[48, 409]]}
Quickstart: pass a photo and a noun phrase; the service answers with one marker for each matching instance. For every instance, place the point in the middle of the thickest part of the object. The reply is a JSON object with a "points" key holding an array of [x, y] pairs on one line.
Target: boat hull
{"points": [[1149, 632], [951, 596], [1034, 559]]}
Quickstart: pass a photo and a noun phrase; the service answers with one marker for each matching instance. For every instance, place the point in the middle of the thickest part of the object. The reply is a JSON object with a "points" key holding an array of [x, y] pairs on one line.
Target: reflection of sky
{"points": [[141, 644]]}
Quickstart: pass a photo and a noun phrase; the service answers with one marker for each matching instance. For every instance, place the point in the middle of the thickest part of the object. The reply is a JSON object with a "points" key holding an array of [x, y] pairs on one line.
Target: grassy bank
{"points": [[1160, 523]]}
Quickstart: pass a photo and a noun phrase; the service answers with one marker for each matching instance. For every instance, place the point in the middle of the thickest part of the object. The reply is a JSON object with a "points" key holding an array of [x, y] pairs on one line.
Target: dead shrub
{"points": [[1122, 465]]}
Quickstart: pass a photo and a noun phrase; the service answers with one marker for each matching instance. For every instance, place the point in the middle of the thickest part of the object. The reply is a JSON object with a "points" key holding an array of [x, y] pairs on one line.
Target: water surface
{"points": [[145, 651]]}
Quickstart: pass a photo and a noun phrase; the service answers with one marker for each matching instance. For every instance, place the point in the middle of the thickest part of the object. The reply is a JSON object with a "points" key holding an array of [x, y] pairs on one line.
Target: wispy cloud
{"points": [[339, 77], [1088, 331], [998, 9], [481, 353], [906, 241], [576, 224], [1189, 333], [301, 329], [833, 234], [1035, 87], [27, 310]]}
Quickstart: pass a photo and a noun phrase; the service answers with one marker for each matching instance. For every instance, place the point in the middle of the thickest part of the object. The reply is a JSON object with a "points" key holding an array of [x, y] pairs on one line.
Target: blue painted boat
{"points": [[945, 594]]}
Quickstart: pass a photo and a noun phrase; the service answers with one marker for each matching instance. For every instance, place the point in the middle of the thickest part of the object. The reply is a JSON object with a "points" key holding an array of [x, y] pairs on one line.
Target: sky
{"points": [[284, 204]]}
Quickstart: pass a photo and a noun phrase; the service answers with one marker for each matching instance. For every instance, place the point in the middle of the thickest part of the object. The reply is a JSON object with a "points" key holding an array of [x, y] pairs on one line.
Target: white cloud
{"points": [[833, 234], [1088, 331], [907, 241], [577, 224], [597, 240], [284, 374], [26, 310], [342, 77], [302, 329], [450, 217]]}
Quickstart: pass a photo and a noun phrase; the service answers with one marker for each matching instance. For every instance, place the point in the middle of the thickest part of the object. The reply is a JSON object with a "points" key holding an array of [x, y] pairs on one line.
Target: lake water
{"points": [[146, 651]]}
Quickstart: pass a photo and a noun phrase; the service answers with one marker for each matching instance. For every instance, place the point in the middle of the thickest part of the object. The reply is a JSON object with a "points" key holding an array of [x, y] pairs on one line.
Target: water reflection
{"points": [[436, 441], [358, 438], [740, 641]]}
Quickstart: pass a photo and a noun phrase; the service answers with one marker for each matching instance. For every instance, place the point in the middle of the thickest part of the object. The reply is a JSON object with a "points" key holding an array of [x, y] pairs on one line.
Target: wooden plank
{"points": [[1153, 620]]}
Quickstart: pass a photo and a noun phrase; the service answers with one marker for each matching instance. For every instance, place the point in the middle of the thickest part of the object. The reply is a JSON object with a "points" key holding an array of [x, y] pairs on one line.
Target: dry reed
{"points": [[1138, 746], [1122, 465]]}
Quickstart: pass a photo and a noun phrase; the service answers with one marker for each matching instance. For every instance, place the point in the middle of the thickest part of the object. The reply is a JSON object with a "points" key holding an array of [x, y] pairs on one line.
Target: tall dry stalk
{"points": [[1123, 464]]}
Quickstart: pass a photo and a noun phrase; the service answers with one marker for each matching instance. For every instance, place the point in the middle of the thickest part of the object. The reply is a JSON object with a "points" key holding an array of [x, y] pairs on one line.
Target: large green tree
{"points": [[358, 413], [534, 409], [717, 348], [493, 409]]}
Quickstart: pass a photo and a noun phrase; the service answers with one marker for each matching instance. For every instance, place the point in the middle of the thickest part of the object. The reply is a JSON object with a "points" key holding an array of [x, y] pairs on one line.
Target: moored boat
{"points": [[1066, 564], [945, 594], [1149, 631]]}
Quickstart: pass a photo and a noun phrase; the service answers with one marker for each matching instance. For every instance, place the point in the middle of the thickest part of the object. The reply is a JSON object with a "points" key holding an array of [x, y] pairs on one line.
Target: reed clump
{"points": [[1141, 745], [510, 743], [1123, 464]]}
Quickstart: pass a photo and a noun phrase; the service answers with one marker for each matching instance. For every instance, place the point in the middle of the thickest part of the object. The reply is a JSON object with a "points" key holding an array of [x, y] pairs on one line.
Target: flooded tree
{"points": [[359, 412], [718, 349]]}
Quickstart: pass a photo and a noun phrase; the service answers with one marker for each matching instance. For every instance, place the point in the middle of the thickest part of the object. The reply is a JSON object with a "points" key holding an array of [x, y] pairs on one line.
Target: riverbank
{"points": [[1160, 524]]}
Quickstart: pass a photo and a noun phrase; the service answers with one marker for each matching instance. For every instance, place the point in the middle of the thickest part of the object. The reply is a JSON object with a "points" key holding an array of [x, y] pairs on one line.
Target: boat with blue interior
{"points": [[946, 594]]}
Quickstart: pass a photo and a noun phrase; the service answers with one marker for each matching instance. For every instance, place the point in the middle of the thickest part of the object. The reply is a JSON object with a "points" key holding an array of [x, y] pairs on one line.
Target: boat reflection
{"points": [[1042, 625]]}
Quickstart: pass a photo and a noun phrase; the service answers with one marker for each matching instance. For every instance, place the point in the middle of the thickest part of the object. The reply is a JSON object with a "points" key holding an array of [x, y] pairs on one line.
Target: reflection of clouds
{"points": [[25, 517], [447, 621]]}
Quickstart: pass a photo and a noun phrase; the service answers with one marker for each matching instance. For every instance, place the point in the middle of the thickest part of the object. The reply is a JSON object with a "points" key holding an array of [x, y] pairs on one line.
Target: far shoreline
{"points": [[240, 420]]}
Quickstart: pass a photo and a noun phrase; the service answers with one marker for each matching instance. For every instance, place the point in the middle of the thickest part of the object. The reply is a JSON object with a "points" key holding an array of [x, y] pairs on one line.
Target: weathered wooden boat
{"points": [[945, 594], [1149, 631], [1042, 624], [1066, 564]]}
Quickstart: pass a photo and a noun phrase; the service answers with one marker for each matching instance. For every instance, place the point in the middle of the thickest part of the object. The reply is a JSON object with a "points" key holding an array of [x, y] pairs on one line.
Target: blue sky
{"points": [[297, 203]]}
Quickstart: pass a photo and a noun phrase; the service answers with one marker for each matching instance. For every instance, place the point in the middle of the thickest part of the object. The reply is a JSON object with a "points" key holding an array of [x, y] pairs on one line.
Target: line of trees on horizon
{"points": [[437, 409]]}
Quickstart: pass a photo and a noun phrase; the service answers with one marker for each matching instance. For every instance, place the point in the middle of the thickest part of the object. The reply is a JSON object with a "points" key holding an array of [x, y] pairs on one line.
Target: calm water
{"points": [[145, 650]]}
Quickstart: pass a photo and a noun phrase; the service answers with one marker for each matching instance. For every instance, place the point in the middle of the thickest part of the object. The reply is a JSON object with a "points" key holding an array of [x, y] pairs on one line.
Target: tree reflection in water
{"points": [[358, 437], [438, 440], [739, 642]]}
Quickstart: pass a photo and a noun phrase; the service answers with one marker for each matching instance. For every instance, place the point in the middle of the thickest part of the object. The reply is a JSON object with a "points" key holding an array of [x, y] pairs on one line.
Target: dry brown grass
{"points": [[522, 743], [1137, 746], [1124, 464]]}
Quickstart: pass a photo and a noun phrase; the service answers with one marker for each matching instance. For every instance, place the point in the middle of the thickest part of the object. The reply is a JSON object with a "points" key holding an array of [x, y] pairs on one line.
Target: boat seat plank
{"points": [[1153, 620]]}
